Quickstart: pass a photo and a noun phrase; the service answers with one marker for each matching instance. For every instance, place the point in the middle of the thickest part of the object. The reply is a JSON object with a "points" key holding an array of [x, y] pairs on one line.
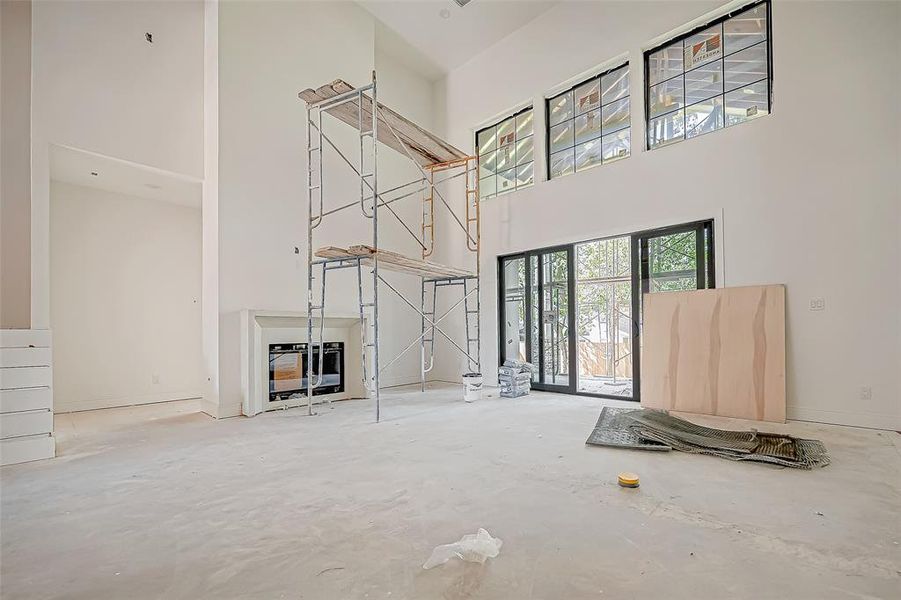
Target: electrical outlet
{"points": [[866, 393], [817, 304], [155, 378]]}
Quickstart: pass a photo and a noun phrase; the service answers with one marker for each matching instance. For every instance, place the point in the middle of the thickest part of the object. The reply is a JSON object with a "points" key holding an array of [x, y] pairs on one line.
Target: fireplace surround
{"points": [[261, 329]]}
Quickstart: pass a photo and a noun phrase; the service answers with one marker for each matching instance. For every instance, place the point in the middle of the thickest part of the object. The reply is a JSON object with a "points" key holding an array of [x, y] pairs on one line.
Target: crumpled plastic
{"points": [[472, 547]]}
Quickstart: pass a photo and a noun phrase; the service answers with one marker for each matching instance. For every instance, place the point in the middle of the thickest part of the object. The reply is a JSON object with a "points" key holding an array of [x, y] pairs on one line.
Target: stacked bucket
{"points": [[515, 378]]}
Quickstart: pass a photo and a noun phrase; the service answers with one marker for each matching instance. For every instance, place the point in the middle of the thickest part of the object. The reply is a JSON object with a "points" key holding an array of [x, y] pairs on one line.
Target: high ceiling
{"points": [[449, 35]]}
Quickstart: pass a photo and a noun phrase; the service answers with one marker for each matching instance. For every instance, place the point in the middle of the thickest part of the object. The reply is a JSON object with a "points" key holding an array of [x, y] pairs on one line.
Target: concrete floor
{"points": [[337, 507]]}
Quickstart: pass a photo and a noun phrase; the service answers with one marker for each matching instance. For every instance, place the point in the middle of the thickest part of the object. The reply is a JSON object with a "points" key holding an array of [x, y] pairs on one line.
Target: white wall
{"points": [[125, 309], [268, 52], [807, 196], [210, 208], [15, 164], [98, 85]]}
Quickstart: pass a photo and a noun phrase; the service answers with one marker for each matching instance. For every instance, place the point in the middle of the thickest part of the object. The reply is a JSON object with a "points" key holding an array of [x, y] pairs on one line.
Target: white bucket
{"points": [[472, 386]]}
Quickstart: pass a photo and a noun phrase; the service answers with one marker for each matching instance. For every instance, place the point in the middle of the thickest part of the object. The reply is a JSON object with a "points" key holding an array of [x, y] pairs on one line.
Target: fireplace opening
{"points": [[288, 370]]}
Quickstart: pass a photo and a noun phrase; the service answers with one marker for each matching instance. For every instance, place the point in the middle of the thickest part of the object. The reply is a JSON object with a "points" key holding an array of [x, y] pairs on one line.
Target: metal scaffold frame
{"points": [[359, 107]]}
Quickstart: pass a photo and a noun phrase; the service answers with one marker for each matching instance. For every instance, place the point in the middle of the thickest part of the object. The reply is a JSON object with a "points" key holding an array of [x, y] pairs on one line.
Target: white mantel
{"points": [[259, 328]]}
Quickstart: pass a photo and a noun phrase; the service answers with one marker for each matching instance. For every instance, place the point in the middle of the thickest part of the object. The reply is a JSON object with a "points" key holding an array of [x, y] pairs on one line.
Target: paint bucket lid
{"points": [[627, 479]]}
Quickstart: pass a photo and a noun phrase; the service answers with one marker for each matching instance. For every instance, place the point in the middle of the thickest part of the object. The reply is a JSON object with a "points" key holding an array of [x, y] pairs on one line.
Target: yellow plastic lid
{"points": [[629, 479]]}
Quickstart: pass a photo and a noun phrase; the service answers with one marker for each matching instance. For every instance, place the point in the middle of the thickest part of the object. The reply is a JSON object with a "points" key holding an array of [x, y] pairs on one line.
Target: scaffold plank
{"points": [[427, 148], [393, 261]]}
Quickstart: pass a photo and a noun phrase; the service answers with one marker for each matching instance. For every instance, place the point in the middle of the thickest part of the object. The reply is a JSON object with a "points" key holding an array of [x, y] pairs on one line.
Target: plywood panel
{"points": [[717, 352]]}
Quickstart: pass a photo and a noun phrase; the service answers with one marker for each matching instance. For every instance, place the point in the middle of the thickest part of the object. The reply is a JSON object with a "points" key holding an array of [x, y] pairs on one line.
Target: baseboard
{"points": [[841, 417], [209, 407], [94, 404]]}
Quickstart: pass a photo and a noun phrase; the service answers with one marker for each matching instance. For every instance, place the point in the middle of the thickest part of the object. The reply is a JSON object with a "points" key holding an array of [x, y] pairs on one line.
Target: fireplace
{"points": [[288, 370]]}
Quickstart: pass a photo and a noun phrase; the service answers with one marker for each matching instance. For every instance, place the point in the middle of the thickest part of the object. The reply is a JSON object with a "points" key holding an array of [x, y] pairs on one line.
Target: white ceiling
{"points": [[467, 31], [71, 165]]}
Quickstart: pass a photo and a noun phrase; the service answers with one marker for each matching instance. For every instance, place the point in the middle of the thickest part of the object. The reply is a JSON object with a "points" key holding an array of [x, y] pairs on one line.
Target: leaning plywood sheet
{"points": [[426, 148], [393, 261], [716, 352]]}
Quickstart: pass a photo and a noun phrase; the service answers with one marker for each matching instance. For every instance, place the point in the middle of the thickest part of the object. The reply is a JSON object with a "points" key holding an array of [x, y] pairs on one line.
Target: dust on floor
{"points": [[338, 507]]}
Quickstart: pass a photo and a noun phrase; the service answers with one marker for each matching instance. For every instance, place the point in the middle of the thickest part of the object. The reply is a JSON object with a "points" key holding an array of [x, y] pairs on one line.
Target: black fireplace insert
{"points": [[288, 370]]}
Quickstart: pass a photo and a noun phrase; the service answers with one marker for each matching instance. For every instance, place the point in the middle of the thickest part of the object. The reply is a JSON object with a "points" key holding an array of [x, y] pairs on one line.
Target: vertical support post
{"points": [[375, 244], [428, 217], [310, 337], [363, 343], [476, 199], [310, 251], [422, 335]]}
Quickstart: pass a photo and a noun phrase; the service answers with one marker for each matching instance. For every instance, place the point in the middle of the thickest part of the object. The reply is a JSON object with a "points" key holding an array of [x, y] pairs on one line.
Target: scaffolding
{"points": [[438, 162]]}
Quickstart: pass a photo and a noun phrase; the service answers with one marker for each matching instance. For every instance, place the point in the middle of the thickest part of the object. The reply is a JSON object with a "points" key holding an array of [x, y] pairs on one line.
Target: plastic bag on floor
{"points": [[472, 547]]}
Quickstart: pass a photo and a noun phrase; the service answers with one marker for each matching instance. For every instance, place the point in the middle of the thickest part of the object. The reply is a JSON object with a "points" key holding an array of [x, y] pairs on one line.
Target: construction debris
{"points": [[679, 434], [472, 386], [612, 429], [628, 480], [472, 547], [515, 378]]}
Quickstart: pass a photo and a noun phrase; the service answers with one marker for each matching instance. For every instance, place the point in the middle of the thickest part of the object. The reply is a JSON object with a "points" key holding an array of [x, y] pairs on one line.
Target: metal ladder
{"points": [[472, 322], [427, 340], [430, 318]]}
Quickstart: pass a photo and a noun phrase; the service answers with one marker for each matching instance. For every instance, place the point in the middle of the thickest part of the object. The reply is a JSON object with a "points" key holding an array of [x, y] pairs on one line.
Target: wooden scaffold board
{"points": [[393, 261], [426, 148]]}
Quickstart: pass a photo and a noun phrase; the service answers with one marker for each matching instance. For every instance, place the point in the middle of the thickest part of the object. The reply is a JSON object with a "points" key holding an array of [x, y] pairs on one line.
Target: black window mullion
{"points": [[700, 263], [721, 22], [599, 77], [540, 258]]}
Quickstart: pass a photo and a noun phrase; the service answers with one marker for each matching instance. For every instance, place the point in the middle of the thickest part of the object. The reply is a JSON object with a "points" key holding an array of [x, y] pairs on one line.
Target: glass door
{"points": [[514, 325], [574, 311], [671, 259], [606, 334], [557, 313], [537, 315]]}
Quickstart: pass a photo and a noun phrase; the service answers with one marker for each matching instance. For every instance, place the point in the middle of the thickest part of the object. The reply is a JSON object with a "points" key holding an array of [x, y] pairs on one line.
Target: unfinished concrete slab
{"points": [[336, 506]]}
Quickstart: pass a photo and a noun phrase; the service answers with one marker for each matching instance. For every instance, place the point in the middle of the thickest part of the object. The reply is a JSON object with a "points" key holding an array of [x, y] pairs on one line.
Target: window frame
{"points": [[547, 116], [695, 30], [494, 124], [640, 284]]}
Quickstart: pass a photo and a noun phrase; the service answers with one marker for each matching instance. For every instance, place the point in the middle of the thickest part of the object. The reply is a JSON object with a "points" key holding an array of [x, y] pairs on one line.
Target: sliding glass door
{"points": [[537, 315], [556, 307], [606, 333], [574, 311]]}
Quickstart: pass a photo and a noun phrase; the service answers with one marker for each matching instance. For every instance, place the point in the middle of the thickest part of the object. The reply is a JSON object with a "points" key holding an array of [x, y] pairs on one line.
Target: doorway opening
{"points": [[574, 311]]}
